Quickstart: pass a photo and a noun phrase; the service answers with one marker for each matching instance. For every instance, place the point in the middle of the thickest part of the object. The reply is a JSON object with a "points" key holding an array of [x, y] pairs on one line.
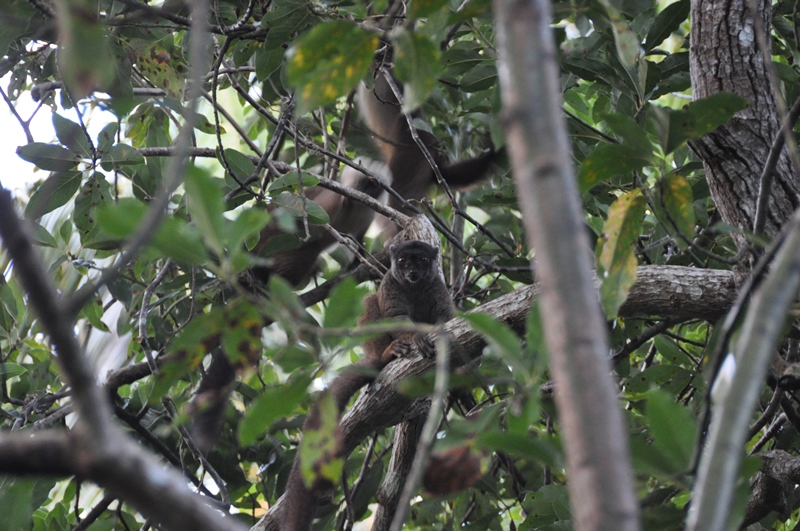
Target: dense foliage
{"points": [[277, 103]]}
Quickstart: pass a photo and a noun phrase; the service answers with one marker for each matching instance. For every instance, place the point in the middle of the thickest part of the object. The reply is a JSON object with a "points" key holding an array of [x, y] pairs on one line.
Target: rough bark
{"points": [[406, 437], [780, 471], [724, 57]]}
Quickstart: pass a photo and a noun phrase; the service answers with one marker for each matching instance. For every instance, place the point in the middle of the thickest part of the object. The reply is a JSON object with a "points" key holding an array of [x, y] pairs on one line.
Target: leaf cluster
{"points": [[277, 116]]}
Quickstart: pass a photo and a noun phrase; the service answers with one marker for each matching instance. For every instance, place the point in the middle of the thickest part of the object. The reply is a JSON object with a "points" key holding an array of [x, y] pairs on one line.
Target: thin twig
{"points": [[96, 512], [225, 498], [420, 144], [353, 246], [146, 307], [239, 129], [635, 342], [25, 125], [768, 174], [772, 407]]}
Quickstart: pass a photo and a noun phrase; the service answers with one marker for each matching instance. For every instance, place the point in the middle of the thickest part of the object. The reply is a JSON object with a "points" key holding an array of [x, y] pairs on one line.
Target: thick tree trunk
{"points": [[724, 57]]}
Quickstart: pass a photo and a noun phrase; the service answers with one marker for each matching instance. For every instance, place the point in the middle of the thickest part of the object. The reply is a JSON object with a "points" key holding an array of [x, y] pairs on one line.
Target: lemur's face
{"points": [[413, 261]]}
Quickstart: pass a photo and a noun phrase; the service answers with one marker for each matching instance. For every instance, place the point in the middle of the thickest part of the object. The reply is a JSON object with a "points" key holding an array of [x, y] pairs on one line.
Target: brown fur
{"points": [[412, 289], [412, 174], [296, 266], [347, 216]]}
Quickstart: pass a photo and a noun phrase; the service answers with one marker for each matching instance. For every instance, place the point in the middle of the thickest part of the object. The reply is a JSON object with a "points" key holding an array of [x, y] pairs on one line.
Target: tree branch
{"points": [[660, 290], [721, 457], [36, 453], [96, 448]]}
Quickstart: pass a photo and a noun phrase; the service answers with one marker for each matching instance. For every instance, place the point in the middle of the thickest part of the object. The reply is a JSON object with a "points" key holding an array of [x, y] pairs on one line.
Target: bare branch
{"points": [[36, 453]]}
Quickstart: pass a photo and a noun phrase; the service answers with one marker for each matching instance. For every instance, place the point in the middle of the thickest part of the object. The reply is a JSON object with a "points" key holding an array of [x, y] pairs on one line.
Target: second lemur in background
{"points": [[412, 174], [296, 266], [413, 289], [347, 216]]}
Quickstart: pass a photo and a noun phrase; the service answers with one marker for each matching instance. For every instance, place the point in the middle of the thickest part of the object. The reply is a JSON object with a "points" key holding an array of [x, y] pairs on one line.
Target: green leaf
{"points": [[54, 192], [621, 228], [480, 78], [41, 491], [16, 502], [667, 22], [95, 192], [666, 376], [545, 507], [282, 294], [650, 459], [9, 370], [120, 155], [320, 446], [290, 182], [241, 335], [240, 164], [161, 63], [696, 119], [85, 61], [617, 283], [504, 342], [525, 413], [175, 237], [610, 160], [48, 156], [670, 352], [297, 206], [631, 134], [676, 204], [617, 261], [672, 427], [417, 66], [276, 403], [267, 62], [534, 332], [628, 46], [344, 305], [93, 312], [589, 69], [14, 23], [198, 337], [328, 61], [106, 138], [72, 136], [520, 445], [43, 237], [247, 224], [283, 21], [424, 8], [293, 357], [203, 124], [204, 200]]}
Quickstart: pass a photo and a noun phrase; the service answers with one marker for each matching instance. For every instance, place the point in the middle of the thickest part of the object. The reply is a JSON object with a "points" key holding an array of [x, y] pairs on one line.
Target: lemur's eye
{"points": [[425, 261], [401, 261]]}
